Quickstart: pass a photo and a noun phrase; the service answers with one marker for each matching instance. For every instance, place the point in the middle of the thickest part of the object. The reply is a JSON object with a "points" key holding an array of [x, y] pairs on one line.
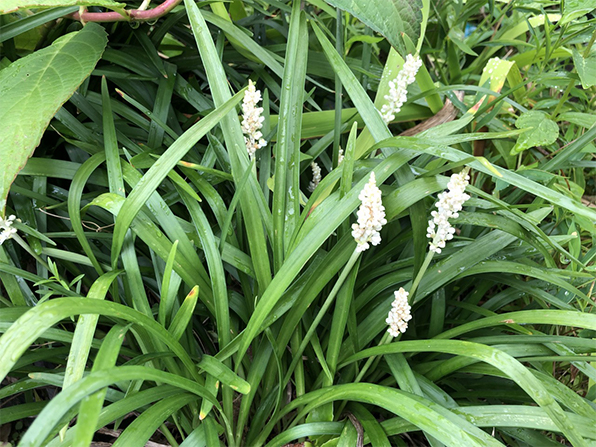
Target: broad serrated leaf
{"points": [[541, 131], [574, 9], [391, 18], [586, 68], [7, 6], [33, 88]]}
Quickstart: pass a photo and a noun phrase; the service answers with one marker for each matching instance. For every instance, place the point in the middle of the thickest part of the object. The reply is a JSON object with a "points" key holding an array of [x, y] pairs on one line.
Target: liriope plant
{"points": [[210, 258]]}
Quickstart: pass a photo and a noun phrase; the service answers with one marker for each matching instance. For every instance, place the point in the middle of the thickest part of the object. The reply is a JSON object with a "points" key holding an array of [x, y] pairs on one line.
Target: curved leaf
{"points": [[426, 415], [94, 382], [33, 88], [495, 357], [36, 321], [143, 427]]}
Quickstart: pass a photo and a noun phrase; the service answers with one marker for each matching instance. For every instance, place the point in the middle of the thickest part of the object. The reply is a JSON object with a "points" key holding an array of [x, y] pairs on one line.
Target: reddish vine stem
{"points": [[132, 15]]}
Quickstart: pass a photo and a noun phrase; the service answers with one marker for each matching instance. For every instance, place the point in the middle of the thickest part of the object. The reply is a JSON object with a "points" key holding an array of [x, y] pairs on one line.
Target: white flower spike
{"points": [[7, 231], [399, 315], [449, 204], [398, 88], [371, 216], [252, 121], [316, 176]]}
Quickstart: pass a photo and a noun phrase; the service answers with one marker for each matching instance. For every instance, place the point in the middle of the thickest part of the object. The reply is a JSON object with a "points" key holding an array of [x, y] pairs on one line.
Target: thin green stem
{"points": [[386, 339], [339, 33], [590, 43], [168, 435], [421, 272], [342, 277], [563, 99], [19, 240]]}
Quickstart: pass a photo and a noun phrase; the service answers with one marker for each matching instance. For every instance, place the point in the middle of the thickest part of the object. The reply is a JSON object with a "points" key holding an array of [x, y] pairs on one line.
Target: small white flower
{"points": [[398, 88], [340, 156], [7, 231], [252, 121], [371, 216], [449, 205], [399, 315], [316, 176]]}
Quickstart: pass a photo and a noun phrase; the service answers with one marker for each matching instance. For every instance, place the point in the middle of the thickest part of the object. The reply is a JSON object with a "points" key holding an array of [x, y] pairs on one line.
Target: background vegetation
{"points": [[164, 287]]}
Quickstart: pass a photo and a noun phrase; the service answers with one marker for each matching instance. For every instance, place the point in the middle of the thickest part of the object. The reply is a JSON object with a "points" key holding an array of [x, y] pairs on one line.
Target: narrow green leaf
{"points": [[510, 177], [166, 301], [426, 415], [184, 314], [212, 384], [84, 331], [308, 430], [33, 323], [318, 227], [495, 357], [28, 23], [144, 426], [91, 406], [372, 428], [121, 408], [349, 435], [191, 273], [94, 382], [217, 369], [252, 201], [286, 192], [197, 438], [161, 168]]}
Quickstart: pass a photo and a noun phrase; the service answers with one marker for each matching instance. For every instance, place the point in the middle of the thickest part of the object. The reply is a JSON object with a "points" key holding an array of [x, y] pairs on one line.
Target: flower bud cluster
{"points": [[340, 156], [448, 207], [399, 315], [316, 176], [371, 216], [398, 88], [7, 231], [252, 121]]}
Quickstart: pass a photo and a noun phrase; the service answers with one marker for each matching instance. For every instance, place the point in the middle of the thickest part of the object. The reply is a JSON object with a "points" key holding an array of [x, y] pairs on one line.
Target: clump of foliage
{"points": [[182, 268]]}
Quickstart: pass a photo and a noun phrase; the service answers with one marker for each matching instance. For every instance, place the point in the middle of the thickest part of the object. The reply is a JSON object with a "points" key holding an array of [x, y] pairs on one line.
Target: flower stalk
{"points": [[252, 120], [398, 88], [316, 176], [7, 231], [371, 216], [448, 207], [399, 315]]}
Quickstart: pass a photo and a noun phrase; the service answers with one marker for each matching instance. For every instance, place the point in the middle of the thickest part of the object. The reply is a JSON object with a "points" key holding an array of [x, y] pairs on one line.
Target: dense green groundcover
{"points": [[161, 285]]}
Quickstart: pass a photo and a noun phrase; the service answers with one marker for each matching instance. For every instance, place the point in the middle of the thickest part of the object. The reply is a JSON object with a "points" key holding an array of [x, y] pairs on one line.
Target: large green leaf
{"points": [[12, 5], [391, 18], [574, 9], [542, 131], [33, 88]]}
